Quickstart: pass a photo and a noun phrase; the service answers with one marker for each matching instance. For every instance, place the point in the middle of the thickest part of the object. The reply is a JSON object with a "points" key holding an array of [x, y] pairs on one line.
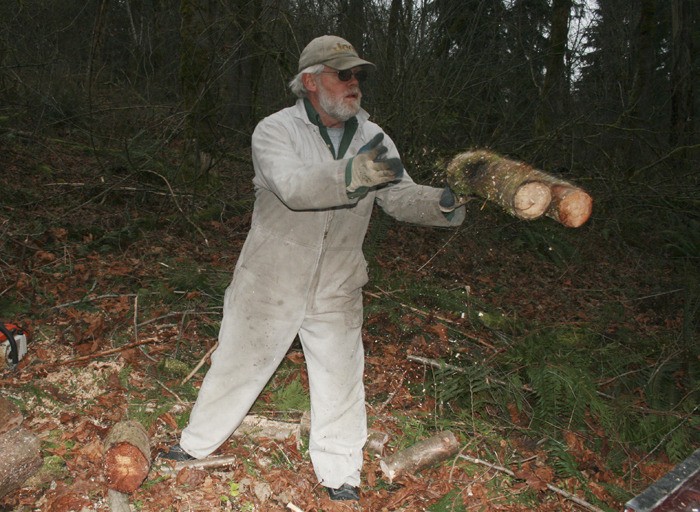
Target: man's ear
{"points": [[309, 82]]}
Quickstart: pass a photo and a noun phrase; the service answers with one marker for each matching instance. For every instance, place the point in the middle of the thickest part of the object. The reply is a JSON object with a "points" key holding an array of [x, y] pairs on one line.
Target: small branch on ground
{"points": [[551, 487], [200, 364]]}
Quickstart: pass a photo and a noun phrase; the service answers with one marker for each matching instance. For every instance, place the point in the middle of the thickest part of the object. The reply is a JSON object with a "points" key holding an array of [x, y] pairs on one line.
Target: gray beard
{"points": [[337, 109]]}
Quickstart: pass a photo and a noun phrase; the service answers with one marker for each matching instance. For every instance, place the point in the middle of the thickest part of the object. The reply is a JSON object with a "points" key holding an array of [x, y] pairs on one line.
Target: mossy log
{"points": [[20, 449], [126, 457], [517, 187]]}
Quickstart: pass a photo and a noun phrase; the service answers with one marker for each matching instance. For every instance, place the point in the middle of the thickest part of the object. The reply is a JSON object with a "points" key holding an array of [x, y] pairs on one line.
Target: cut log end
{"points": [[127, 457], [125, 467], [531, 200], [570, 206]]}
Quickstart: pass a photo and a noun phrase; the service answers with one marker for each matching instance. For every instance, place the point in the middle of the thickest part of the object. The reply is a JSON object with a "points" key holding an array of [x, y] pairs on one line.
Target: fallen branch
{"points": [[89, 357], [200, 364], [208, 463], [551, 487], [441, 365]]}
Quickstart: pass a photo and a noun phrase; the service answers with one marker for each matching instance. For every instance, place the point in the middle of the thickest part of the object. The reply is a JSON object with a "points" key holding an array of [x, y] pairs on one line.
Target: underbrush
{"points": [[573, 350]]}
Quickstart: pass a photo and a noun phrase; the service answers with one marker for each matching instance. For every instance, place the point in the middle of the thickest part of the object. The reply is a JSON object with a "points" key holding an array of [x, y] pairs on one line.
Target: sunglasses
{"points": [[346, 75]]}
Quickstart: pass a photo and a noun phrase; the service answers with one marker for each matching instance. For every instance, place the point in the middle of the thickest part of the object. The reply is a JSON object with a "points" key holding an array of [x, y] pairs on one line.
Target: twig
{"points": [[88, 357], [177, 204], [200, 364], [210, 462], [86, 299], [551, 487], [291, 506], [438, 317], [439, 250], [166, 388], [439, 364], [136, 316]]}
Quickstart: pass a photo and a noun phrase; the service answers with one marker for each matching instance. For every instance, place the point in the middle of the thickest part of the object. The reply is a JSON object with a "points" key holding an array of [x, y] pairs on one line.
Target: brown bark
{"points": [[126, 456], [420, 456], [20, 449], [519, 188]]}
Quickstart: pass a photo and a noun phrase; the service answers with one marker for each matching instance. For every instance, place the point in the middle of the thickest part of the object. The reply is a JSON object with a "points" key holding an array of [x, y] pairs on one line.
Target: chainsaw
{"points": [[13, 344]]}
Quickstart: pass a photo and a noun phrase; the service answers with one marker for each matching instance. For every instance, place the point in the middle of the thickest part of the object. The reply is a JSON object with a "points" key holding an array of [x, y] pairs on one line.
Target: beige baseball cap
{"points": [[332, 51]]}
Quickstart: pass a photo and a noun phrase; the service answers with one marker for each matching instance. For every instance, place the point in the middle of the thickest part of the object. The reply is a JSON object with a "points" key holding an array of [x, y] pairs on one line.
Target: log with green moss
{"points": [[519, 188]]}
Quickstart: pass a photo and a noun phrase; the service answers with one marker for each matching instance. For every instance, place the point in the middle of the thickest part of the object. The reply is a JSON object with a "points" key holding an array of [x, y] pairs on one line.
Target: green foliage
{"points": [[450, 502], [290, 397], [548, 240]]}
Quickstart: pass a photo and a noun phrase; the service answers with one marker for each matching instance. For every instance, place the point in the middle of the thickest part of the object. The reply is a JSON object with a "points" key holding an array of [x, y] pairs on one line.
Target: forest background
{"points": [[125, 128]]}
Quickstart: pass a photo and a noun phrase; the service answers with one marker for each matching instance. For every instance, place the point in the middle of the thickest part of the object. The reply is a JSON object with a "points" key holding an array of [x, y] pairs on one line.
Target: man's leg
{"points": [[251, 347], [335, 362]]}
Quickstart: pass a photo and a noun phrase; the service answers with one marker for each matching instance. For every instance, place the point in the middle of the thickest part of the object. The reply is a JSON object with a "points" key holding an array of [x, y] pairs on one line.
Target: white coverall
{"points": [[301, 271]]}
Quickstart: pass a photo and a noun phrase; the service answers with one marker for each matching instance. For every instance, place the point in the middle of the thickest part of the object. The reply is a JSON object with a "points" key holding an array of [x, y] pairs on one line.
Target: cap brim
{"points": [[341, 63]]}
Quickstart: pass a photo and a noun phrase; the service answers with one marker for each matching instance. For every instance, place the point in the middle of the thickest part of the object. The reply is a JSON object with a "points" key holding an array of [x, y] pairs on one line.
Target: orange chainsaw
{"points": [[13, 344]]}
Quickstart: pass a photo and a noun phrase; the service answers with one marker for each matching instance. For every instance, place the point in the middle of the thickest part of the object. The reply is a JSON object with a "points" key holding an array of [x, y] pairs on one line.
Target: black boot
{"points": [[345, 492], [176, 453]]}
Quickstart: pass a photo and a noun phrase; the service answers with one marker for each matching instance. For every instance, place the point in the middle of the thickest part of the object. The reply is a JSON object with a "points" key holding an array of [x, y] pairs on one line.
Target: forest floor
{"points": [[119, 281]]}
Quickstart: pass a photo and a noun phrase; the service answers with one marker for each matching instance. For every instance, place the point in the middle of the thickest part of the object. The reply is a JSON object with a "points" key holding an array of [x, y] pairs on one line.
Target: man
{"points": [[320, 166]]}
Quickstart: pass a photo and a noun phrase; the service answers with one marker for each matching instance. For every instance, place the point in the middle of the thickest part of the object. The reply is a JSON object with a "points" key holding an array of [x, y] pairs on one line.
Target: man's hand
{"points": [[369, 168], [449, 202]]}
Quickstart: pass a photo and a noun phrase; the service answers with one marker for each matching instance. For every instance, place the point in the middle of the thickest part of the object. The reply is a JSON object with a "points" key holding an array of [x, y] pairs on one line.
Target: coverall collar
{"points": [[348, 134]]}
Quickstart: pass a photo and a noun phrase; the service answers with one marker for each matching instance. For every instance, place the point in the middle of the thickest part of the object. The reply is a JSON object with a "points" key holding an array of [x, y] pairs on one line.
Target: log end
{"points": [[574, 208], [531, 200], [125, 467]]}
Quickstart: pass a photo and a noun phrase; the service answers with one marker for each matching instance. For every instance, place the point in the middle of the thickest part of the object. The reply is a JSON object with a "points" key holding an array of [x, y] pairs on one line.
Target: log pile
{"points": [[519, 188], [20, 449]]}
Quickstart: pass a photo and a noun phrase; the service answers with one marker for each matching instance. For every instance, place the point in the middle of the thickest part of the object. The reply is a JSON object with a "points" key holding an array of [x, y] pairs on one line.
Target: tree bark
{"points": [[20, 449], [520, 189], [421, 455], [126, 456]]}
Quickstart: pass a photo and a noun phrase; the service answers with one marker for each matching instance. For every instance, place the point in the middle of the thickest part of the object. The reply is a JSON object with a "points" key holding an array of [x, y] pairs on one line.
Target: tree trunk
{"points": [[126, 456], [520, 189], [682, 96], [20, 449], [555, 87], [419, 456]]}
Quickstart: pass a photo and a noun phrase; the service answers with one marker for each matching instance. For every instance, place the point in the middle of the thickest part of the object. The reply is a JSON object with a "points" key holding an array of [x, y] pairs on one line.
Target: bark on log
{"points": [[421, 455], [520, 189], [20, 449], [126, 456], [118, 501]]}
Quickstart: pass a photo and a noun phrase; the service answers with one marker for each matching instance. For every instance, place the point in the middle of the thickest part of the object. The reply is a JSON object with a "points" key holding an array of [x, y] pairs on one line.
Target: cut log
{"points": [[126, 457], [518, 188], [20, 449], [118, 501], [376, 442], [429, 452], [570, 205]]}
